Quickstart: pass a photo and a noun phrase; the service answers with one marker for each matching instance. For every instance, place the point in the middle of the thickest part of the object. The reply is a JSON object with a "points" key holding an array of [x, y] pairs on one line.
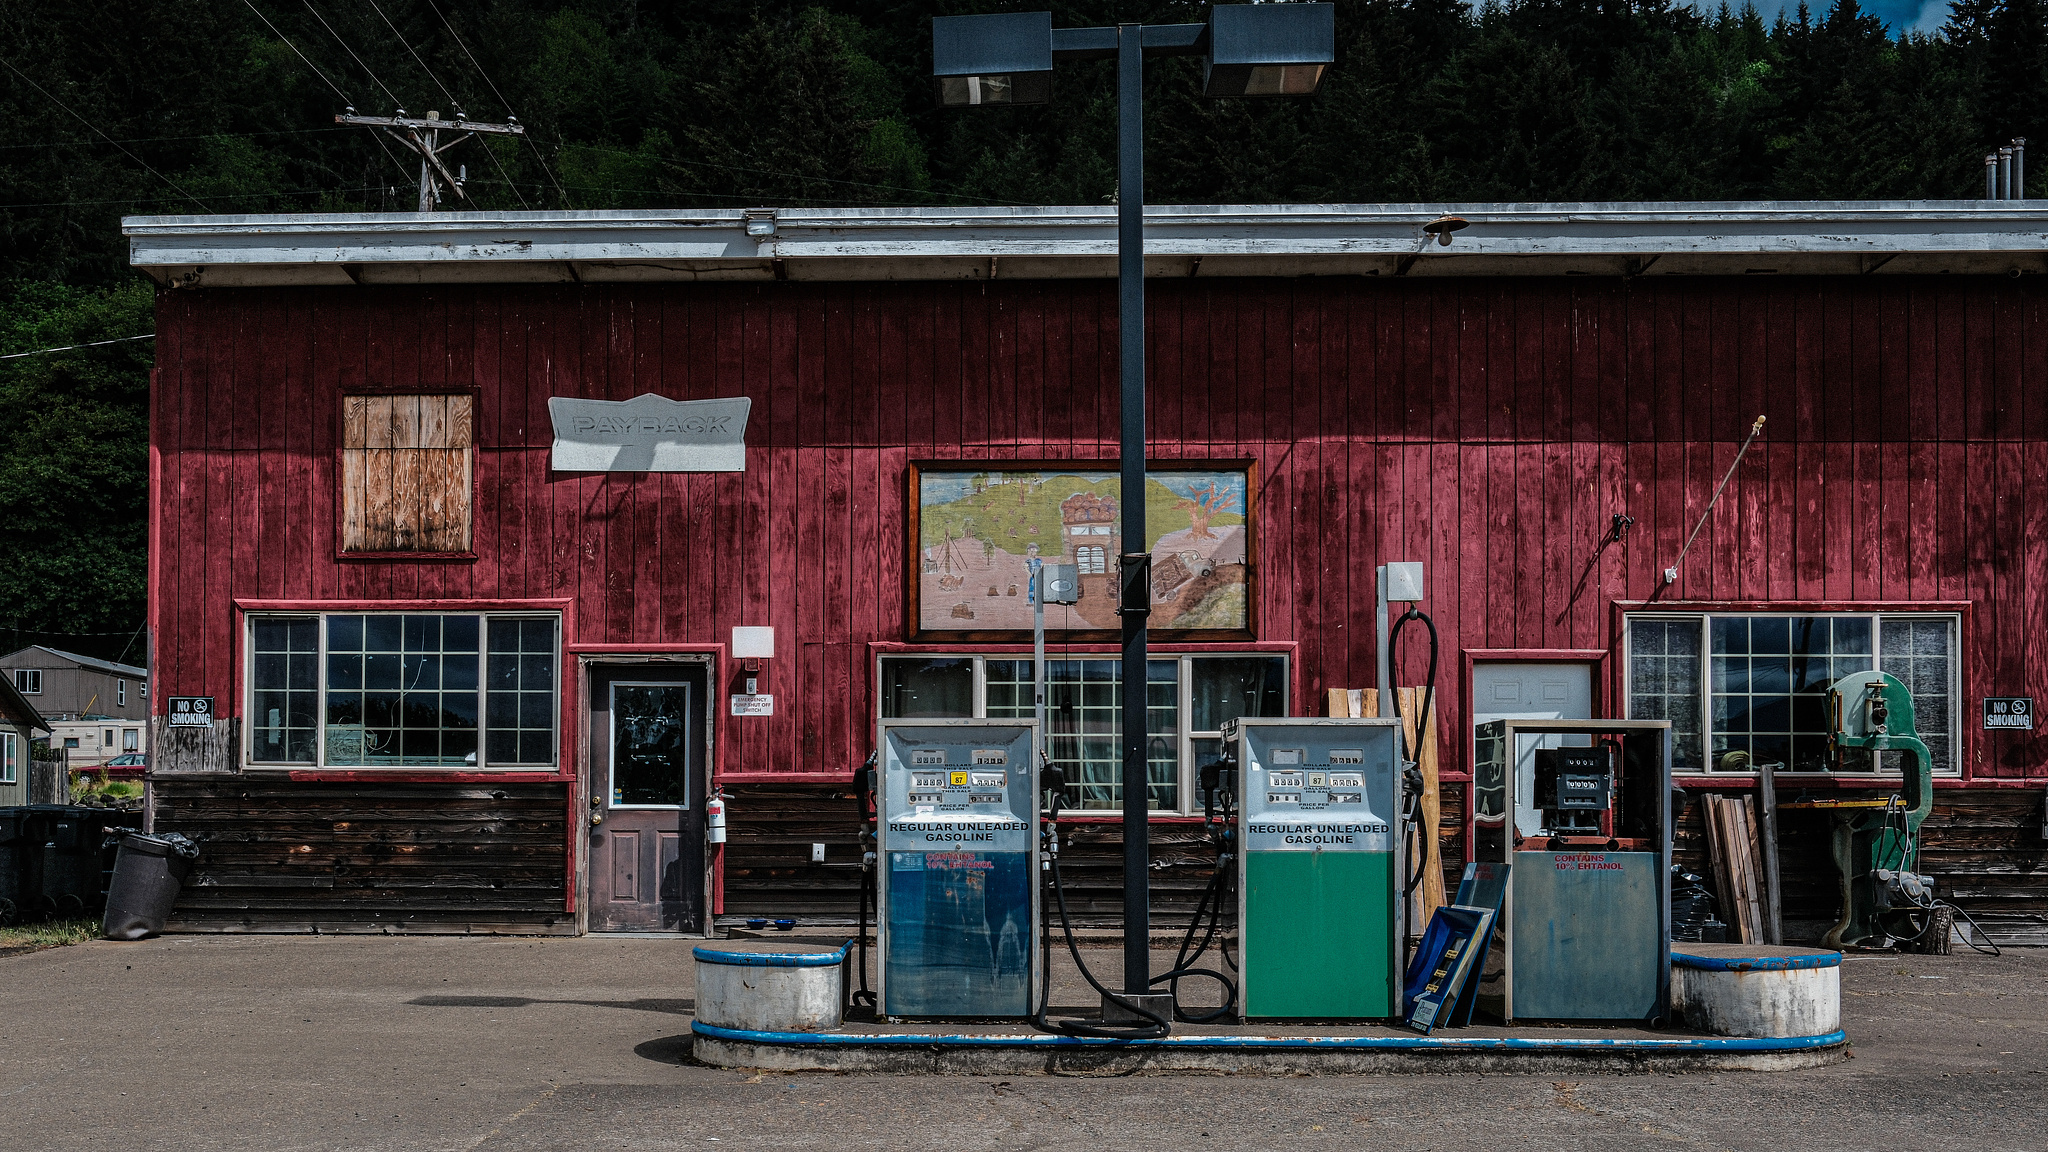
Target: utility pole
{"points": [[424, 137]]}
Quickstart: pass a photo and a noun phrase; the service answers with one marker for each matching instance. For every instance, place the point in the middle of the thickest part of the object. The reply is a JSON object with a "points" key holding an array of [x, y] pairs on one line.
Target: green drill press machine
{"points": [[1876, 842]]}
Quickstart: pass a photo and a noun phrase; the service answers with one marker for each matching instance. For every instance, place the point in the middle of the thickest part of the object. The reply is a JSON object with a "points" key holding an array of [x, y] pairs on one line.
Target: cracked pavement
{"points": [[387, 1043]]}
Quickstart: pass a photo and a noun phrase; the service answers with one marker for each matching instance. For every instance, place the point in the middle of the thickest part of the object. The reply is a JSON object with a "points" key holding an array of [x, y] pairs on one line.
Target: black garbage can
{"points": [[75, 857], [147, 876], [20, 854]]}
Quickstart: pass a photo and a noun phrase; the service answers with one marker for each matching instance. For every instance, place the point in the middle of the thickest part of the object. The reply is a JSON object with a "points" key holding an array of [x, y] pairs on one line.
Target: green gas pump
{"points": [[1319, 891]]}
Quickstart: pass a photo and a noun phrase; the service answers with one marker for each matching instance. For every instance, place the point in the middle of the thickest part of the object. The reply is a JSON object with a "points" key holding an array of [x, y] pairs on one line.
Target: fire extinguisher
{"points": [[714, 811]]}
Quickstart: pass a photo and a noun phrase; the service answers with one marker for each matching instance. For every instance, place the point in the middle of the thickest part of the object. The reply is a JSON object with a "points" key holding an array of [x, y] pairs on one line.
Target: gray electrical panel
{"points": [[958, 907]]}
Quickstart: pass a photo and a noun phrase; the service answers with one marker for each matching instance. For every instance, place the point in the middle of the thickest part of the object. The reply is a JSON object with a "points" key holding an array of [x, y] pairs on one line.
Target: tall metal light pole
{"points": [[1249, 50]]}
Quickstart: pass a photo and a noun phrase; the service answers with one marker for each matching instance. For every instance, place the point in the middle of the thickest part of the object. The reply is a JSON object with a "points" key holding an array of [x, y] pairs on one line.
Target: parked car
{"points": [[126, 766]]}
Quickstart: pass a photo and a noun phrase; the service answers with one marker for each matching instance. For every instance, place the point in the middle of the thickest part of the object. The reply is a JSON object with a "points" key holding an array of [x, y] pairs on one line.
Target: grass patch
{"points": [[53, 934]]}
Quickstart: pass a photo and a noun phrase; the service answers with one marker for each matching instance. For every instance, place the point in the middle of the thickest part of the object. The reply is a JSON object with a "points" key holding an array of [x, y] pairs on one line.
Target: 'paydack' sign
{"points": [[650, 434]]}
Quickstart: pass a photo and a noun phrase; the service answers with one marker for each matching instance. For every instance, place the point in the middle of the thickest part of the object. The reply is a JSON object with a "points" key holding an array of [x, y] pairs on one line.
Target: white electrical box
{"points": [[1404, 583]]}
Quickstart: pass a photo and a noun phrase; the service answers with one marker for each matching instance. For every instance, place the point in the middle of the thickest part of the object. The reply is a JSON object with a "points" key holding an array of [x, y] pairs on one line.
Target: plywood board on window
{"points": [[406, 474]]}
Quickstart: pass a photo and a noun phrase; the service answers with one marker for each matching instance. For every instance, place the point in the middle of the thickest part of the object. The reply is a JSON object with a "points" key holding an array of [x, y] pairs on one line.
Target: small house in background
{"points": [[19, 723], [96, 710]]}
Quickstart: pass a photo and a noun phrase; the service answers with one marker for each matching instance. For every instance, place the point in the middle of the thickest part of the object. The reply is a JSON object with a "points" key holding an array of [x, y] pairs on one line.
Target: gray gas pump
{"points": [[1581, 811], [957, 923]]}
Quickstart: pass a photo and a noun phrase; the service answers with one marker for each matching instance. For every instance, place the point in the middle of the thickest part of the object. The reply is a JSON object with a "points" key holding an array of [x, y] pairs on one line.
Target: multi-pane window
{"points": [[403, 690], [1084, 725], [284, 677], [28, 681], [1751, 689], [1188, 699], [121, 692], [10, 753], [520, 680]]}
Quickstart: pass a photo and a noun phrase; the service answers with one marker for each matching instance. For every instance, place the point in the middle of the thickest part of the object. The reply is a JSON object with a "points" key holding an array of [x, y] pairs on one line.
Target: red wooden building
{"points": [[434, 659]]}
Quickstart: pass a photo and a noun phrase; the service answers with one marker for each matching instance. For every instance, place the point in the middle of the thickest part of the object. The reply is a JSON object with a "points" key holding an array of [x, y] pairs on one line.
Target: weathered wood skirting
{"points": [[283, 856]]}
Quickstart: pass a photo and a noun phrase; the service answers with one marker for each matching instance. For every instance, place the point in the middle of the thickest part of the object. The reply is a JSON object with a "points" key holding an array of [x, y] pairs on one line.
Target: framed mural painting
{"points": [[975, 528]]}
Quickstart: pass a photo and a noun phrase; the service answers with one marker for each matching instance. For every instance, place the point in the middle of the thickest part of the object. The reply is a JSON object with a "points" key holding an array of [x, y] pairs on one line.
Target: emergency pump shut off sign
{"points": [[650, 433]]}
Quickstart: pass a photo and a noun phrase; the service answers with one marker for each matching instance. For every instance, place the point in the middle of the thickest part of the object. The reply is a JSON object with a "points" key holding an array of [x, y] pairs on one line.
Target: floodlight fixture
{"points": [[1005, 58], [1269, 49]]}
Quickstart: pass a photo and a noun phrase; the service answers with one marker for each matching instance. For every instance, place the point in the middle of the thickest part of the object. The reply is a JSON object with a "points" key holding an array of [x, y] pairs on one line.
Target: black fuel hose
{"points": [[870, 864], [1212, 901], [1414, 815], [1156, 1026]]}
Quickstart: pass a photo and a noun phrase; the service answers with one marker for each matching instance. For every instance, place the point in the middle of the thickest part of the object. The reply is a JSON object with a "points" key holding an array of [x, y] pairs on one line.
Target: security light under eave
{"points": [[1004, 58], [1269, 49]]}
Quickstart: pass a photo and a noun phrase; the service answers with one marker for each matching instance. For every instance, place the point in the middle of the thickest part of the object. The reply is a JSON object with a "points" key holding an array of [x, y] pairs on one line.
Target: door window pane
{"points": [[284, 657], [650, 744], [1084, 726]]}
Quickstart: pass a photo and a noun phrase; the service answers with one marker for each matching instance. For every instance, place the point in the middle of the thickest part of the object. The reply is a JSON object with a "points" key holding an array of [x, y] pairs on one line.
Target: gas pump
{"points": [[1319, 839], [1581, 812], [957, 868]]}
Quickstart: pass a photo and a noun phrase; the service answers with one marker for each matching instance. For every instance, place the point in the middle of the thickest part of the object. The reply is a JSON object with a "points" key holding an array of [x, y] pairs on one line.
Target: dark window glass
{"points": [[391, 698], [1226, 687], [929, 688], [650, 743], [519, 690], [284, 662]]}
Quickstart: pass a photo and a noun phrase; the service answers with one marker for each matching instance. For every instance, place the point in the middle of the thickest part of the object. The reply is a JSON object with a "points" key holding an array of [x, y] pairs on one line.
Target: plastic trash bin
{"points": [[147, 876], [17, 866], [74, 856]]}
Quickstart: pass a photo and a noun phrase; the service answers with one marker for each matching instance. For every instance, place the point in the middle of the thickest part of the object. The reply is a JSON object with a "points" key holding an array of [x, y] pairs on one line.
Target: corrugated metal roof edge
{"points": [[1850, 237]]}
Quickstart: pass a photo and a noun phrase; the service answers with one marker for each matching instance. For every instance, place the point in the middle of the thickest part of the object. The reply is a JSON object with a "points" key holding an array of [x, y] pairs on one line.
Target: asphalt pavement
{"points": [[386, 1043]]}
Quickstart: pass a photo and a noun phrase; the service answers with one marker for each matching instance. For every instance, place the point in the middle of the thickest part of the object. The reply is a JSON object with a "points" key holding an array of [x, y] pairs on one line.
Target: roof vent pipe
{"points": [[2005, 173], [1991, 176], [2019, 167]]}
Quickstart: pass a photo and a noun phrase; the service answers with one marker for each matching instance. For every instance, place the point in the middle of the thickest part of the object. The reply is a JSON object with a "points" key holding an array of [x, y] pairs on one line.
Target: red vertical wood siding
{"points": [[1490, 427]]}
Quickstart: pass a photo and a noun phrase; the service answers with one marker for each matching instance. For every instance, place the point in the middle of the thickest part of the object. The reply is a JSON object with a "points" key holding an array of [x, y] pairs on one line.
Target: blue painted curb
{"points": [[774, 959], [1647, 1046], [1757, 963]]}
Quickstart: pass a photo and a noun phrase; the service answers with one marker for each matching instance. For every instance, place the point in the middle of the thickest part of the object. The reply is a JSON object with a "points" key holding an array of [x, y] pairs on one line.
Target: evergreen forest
{"points": [[227, 106]]}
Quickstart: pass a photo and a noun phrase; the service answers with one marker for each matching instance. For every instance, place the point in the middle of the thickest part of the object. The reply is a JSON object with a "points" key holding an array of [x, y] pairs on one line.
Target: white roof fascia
{"points": [[1061, 242]]}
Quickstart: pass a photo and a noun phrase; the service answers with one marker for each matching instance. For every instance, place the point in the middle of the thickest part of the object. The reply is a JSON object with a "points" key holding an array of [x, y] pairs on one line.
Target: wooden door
{"points": [[647, 728]]}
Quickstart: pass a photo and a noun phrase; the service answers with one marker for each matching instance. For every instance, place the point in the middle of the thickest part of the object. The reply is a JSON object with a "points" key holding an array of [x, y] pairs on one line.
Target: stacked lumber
{"points": [[1738, 865]]}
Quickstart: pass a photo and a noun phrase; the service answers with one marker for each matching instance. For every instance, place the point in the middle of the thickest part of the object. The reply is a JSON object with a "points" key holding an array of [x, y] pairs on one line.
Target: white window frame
{"points": [[10, 753], [485, 617], [1877, 617], [28, 681], [1188, 783], [121, 693], [131, 740]]}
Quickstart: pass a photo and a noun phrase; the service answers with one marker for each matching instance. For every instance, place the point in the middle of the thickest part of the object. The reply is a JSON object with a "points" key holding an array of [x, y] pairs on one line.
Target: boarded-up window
{"points": [[405, 474]]}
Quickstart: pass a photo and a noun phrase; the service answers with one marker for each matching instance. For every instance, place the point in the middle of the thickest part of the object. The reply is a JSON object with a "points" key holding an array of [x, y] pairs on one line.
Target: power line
{"points": [[453, 102], [395, 101], [103, 135], [296, 52], [172, 139], [213, 196], [70, 348], [502, 102], [488, 151]]}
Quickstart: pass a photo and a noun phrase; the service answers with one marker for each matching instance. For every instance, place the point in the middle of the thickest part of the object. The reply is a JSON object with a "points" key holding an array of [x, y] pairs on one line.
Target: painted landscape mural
{"points": [[979, 530]]}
